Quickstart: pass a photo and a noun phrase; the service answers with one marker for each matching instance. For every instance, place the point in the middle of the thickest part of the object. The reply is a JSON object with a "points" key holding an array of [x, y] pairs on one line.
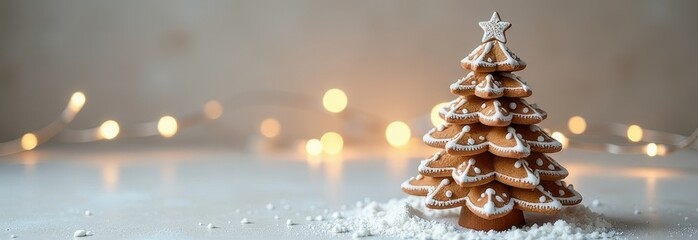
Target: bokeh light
{"points": [[436, 120], [332, 142], [634, 133], [577, 125], [334, 100], [270, 127], [109, 129], [398, 134], [77, 101], [651, 149], [213, 109], [313, 147], [29, 141], [167, 126]]}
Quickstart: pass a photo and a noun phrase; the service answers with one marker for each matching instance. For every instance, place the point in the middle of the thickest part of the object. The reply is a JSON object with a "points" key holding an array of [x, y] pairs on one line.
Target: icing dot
{"points": [[525, 110], [558, 182], [490, 191], [471, 161], [419, 177], [473, 82], [504, 195], [561, 192], [489, 59], [477, 170], [466, 128], [499, 199], [483, 105], [465, 110], [508, 136], [551, 167], [445, 181], [540, 138], [482, 138], [482, 195], [539, 162], [519, 135], [510, 129], [512, 105], [517, 164], [471, 141], [541, 199], [570, 187], [449, 193]]}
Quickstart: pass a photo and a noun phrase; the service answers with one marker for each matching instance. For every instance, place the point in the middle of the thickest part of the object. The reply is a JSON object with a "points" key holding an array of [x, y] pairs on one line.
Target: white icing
{"points": [[419, 177], [466, 128], [549, 202], [471, 161], [471, 141], [539, 162], [490, 209], [561, 192], [499, 114], [408, 186], [482, 138], [541, 199], [449, 193], [525, 110], [483, 105], [477, 170], [531, 178], [494, 28], [488, 87], [540, 138], [499, 199], [551, 167], [512, 105], [431, 201]]}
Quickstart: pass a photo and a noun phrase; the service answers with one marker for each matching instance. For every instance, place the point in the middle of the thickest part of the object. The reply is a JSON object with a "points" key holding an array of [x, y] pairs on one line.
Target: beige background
{"points": [[616, 61]]}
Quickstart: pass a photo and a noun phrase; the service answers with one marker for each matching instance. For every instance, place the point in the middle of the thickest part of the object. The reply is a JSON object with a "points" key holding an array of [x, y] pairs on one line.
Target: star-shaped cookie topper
{"points": [[494, 29]]}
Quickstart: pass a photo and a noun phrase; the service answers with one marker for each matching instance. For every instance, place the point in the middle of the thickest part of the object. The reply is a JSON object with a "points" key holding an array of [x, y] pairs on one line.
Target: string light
{"points": [[332, 142], [651, 149], [29, 141], [334, 100], [77, 101], [270, 128], [167, 126], [398, 134], [109, 129], [561, 138], [313, 147], [436, 120], [213, 109], [577, 125], [634, 133]]}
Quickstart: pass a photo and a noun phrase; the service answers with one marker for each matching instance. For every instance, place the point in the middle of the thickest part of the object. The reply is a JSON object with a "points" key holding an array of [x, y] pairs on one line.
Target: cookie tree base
{"points": [[469, 220]]}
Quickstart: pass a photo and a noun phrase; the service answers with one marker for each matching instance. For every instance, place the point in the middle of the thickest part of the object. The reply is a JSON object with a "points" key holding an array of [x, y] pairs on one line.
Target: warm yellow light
{"points": [[577, 125], [29, 141], [270, 127], [167, 126], [109, 129], [397, 133], [651, 149], [313, 147], [334, 100], [213, 109], [634, 133], [436, 120], [332, 142], [77, 101], [561, 138]]}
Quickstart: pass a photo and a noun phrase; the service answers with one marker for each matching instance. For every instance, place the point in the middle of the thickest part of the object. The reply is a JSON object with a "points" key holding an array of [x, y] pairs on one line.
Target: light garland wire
{"points": [[31, 140], [658, 142]]}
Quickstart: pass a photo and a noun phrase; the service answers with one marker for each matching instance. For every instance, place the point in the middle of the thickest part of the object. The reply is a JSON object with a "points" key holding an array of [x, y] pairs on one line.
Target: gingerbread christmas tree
{"points": [[494, 161]]}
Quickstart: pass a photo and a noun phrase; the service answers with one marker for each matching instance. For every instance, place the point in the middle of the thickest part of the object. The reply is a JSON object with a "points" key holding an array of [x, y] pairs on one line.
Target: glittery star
{"points": [[494, 29]]}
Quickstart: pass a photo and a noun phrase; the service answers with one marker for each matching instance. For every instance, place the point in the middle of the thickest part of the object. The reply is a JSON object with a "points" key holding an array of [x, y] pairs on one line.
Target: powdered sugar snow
{"points": [[408, 218]]}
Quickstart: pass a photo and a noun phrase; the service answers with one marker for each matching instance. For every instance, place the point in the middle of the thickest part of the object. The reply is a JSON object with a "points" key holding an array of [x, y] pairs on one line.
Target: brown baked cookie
{"points": [[538, 139], [469, 141], [438, 137], [492, 56], [535, 200], [491, 85], [522, 112], [462, 110], [490, 201], [562, 192], [477, 170], [547, 167], [447, 194], [515, 172], [507, 142], [420, 185]]}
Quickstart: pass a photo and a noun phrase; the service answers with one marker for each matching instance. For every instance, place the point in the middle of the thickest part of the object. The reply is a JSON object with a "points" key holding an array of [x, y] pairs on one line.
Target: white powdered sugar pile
{"points": [[408, 218]]}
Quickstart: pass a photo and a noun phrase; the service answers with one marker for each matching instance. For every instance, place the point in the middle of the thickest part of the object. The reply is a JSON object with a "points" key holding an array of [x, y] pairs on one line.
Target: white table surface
{"points": [[164, 192]]}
